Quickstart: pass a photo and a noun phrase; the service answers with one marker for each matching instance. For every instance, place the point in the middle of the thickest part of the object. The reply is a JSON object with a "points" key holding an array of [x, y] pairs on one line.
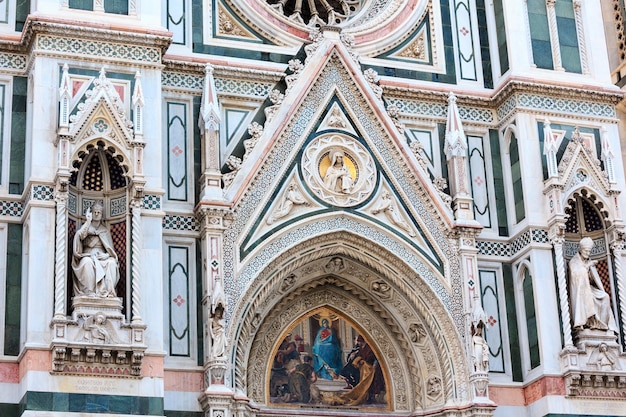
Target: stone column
{"points": [[137, 247], [617, 250], [60, 261], [557, 240], [212, 222], [554, 35]]}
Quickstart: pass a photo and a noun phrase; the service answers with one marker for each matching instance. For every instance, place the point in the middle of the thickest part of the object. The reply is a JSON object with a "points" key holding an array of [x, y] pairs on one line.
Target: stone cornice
{"points": [[103, 32], [582, 92], [439, 94], [182, 65]]}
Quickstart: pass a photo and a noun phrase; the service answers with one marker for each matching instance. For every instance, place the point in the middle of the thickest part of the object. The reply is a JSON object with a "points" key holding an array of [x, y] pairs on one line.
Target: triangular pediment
{"points": [[580, 167], [103, 115], [332, 145]]}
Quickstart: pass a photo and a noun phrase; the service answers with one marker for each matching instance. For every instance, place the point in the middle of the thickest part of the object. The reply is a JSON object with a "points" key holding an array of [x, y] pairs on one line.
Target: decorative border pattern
{"points": [[13, 61], [181, 223], [248, 88], [558, 105], [182, 80], [11, 208], [507, 249], [98, 48], [194, 82], [423, 108], [118, 206], [151, 202], [42, 193]]}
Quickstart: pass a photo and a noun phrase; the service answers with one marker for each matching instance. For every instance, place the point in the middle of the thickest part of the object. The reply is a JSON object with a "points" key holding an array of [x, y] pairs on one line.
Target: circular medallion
{"points": [[339, 170]]}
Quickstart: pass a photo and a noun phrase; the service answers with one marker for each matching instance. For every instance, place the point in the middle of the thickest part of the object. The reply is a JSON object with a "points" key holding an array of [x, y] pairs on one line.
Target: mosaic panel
{"points": [[195, 82], [506, 108], [180, 223], [96, 48], [13, 61], [42, 192], [151, 202], [11, 208]]}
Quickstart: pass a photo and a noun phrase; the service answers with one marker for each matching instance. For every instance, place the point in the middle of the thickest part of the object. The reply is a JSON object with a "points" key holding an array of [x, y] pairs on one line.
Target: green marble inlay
{"points": [[18, 136], [498, 180], [116, 6], [511, 319], [183, 413], [10, 410], [81, 4], [90, 403], [13, 290]]}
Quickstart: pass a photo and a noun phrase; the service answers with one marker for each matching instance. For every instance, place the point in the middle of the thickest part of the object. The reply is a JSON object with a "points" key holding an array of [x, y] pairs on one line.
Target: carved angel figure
{"points": [[388, 206], [292, 197], [97, 329]]}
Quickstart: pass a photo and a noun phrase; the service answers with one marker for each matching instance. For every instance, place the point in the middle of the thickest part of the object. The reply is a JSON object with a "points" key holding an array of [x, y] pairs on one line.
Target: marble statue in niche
{"points": [[591, 305], [94, 260], [218, 332]]}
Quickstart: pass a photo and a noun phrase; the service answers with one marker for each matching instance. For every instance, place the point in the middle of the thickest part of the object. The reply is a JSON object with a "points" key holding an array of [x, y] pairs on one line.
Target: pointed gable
{"points": [[300, 127], [102, 115]]}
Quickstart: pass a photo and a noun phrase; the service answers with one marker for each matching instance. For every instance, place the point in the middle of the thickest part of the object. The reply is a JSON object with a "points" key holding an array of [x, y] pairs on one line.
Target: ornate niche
{"points": [[99, 185]]}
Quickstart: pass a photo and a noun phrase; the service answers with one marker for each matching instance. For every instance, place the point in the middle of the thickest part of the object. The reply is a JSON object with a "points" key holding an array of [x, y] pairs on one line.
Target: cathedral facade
{"points": [[255, 208]]}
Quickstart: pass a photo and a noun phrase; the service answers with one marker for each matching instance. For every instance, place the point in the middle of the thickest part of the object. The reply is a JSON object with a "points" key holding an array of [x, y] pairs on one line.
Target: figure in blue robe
{"points": [[327, 352]]}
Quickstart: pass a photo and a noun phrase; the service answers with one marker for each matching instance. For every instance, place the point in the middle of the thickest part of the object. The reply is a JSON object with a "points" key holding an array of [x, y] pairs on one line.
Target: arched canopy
{"points": [[369, 287]]}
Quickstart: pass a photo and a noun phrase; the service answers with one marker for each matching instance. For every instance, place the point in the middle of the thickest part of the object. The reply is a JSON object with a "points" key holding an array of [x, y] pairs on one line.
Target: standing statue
{"points": [[591, 306], [480, 350], [218, 332], [94, 260], [338, 177]]}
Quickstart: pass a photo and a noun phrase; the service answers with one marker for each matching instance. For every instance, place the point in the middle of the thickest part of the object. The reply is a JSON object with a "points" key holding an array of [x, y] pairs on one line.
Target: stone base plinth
{"points": [[88, 306]]}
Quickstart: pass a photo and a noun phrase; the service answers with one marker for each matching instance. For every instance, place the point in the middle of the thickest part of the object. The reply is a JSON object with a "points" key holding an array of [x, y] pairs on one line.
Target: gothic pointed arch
{"points": [[381, 297]]}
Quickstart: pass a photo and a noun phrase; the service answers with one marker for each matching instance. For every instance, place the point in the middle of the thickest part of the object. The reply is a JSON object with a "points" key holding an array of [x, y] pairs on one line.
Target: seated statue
{"points": [[94, 260], [591, 306]]}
